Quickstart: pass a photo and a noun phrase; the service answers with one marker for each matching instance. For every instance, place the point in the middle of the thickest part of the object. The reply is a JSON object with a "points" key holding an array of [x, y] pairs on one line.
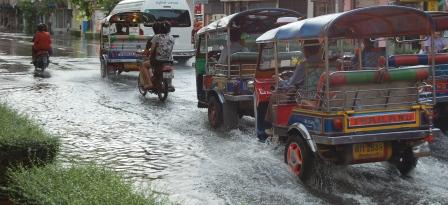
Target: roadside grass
{"points": [[29, 175], [76, 184], [22, 142]]}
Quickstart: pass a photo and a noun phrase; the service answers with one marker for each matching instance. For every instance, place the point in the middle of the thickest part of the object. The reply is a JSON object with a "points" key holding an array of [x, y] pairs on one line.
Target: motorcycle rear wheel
{"points": [[140, 84], [163, 90]]}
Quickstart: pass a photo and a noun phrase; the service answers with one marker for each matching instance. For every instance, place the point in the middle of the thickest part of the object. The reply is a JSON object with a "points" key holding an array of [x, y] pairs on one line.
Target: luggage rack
{"points": [[241, 70], [357, 99]]}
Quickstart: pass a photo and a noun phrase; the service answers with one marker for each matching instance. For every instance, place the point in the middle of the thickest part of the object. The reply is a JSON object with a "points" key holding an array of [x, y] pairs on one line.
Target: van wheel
{"points": [[215, 112], [299, 157], [404, 160]]}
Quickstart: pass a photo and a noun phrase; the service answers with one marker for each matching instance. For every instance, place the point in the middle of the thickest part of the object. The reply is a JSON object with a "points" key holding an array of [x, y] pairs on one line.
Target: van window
{"points": [[177, 18]]}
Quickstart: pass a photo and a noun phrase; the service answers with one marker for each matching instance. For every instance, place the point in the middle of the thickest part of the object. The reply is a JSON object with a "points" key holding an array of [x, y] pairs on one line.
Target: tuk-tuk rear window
{"points": [[177, 18]]}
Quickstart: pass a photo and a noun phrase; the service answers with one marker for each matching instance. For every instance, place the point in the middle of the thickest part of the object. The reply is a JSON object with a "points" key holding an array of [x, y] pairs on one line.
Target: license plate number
{"points": [[368, 150], [168, 75]]}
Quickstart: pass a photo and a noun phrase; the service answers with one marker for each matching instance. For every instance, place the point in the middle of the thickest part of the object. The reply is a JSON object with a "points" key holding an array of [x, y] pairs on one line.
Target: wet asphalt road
{"points": [[170, 145]]}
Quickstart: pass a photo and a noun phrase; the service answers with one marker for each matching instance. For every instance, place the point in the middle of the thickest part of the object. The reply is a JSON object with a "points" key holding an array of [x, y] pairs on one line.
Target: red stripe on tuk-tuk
{"points": [[283, 114], [263, 89]]}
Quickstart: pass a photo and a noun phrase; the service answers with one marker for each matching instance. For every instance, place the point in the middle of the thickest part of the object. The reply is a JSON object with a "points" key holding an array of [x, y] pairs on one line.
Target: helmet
{"points": [[42, 27]]}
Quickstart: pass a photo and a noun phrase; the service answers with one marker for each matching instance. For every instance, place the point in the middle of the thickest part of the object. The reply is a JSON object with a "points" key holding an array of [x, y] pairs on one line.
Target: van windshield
{"points": [[177, 18]]}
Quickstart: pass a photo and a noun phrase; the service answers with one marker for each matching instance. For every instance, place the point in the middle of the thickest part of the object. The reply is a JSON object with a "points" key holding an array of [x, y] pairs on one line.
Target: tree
{"points": [[29, 15], [36, 11], [85, 7], [108, 5]]}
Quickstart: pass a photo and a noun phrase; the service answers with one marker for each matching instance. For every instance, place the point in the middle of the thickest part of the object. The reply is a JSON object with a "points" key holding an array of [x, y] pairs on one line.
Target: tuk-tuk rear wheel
{"points": [[404, 160], [215, 115], [299, 157]]}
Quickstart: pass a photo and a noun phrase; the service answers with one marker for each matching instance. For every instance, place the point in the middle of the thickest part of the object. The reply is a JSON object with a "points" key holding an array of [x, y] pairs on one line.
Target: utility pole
{"points": [[310, 9]]}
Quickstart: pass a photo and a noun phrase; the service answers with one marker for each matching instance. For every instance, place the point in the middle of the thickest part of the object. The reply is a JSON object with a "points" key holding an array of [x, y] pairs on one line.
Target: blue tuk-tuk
{"points": [[223, 75], [441, 70], [365, 113], [121, 37]]}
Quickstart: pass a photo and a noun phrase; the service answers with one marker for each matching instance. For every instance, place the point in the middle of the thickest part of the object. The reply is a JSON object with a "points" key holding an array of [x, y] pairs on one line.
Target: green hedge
{"points": [[78, 184], [22, 142]]}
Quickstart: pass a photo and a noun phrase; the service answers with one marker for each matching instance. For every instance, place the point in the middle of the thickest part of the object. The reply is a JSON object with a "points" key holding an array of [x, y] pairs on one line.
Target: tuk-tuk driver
{"points": [[237, 44], [312, 52], [119, 28], [306, 75]]}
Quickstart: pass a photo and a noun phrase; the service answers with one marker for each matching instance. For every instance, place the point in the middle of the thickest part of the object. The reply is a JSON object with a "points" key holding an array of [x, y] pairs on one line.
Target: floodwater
{"points": [[170, 145]]}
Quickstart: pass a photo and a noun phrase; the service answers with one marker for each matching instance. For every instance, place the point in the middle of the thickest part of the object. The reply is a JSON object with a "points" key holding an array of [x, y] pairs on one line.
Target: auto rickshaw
{"points": [[441, 71], [222, 81], [121, 36], [347, 116]]}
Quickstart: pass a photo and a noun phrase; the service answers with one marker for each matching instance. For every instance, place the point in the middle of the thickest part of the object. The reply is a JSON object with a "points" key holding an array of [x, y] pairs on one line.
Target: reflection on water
{"points": [[63, 45]]}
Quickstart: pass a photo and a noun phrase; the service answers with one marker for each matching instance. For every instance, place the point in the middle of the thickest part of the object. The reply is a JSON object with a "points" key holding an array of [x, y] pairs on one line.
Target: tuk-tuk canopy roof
{"points": [[130, 17], [243, 17], [440, 20], [369, 22]]}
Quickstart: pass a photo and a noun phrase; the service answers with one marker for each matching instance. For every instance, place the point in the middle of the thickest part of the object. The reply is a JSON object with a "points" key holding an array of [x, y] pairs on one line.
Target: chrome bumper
{"points": [[374, 137], [238, 97], [183, 53], [443, 98]]}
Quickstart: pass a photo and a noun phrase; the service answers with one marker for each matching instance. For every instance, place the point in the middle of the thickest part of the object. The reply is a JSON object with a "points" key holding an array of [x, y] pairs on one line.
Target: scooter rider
{"points": [[145, 69], [41, 41], [161, 49]]}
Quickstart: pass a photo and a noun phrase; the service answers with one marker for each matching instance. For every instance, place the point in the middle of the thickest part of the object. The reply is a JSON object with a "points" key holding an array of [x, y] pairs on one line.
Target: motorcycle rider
{"points": [[161, 52], [145, 68], [161, 49], [41, 41]]}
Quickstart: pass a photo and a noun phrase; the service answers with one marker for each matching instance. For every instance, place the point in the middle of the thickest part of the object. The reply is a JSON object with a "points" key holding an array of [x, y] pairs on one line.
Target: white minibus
{"points": [[177, 12]]}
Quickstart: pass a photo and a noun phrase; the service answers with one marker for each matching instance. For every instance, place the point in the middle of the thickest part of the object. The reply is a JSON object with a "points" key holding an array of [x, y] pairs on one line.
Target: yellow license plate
{"points": [[368, 150], [130, 66]]}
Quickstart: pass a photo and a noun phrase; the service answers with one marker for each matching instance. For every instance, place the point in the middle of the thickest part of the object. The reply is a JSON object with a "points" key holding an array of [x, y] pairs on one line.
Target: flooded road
{"points": [[171, 146]]}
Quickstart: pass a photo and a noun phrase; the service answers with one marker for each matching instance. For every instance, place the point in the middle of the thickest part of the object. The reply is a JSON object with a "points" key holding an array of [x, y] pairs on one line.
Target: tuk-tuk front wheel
{"points": [[299, 157], [215, 115], [404, 160]]}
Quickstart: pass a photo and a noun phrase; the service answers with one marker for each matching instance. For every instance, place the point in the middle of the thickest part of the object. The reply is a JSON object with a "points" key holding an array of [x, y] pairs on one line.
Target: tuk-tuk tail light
{"points": [[334, 125], [338, 124], [429, 138]]}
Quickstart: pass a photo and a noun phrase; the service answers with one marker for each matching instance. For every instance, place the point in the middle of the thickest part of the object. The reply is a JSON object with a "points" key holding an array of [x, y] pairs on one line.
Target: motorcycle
{"points": [[160, 86], [41, 62]]}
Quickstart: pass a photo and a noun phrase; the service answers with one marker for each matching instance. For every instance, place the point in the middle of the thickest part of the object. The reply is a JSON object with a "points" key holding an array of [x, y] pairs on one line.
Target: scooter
{"points": [[160, 86], [42, 60]]}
